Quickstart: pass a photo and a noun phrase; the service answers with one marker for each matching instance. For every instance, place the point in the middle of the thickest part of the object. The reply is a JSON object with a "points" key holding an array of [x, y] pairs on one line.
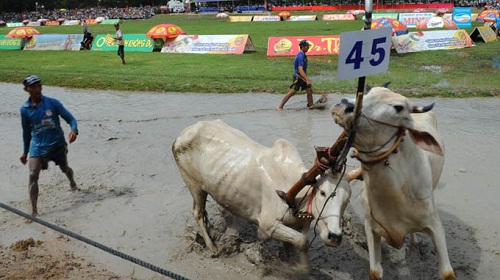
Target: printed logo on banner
{"points": [[289, 46], [462, 16]]}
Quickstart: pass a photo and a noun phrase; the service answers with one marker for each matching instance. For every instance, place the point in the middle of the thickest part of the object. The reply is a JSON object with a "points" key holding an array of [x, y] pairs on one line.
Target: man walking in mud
{"points": [[43, 136], [300, 78]]}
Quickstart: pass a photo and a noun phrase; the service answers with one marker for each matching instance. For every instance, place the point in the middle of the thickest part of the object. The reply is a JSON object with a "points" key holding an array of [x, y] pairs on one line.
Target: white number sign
{"points": [[364, 53]]}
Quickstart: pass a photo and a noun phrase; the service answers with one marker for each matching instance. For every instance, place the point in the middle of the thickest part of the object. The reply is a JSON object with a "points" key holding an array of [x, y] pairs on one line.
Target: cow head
{"points": [[384, 113], [329, 205]]}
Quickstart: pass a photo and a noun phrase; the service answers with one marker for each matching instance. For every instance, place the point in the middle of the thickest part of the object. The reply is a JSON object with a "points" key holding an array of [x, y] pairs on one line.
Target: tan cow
{"points": [[242, 175], [402, 158]]}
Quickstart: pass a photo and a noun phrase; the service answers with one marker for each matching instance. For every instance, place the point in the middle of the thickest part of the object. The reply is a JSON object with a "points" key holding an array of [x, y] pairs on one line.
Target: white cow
{"points": [[402, 158], [243, 176]]}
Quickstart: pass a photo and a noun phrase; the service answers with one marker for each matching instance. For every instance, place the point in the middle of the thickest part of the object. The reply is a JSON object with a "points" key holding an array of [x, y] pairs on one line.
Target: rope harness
{"points": [[398, 135]]}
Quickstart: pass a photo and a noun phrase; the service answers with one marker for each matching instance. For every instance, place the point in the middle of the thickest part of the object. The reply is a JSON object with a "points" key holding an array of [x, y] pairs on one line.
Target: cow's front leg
{"points": [[200, 215], [374, 251], [286, 234], [438, 237]]}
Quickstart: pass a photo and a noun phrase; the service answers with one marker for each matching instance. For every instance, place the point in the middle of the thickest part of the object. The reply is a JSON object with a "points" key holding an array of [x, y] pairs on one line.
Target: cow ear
{"points": [[425, 141]]}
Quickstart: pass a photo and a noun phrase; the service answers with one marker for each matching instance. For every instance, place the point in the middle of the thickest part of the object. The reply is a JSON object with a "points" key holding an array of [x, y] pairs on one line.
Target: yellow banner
{"points": [[240, 18]]}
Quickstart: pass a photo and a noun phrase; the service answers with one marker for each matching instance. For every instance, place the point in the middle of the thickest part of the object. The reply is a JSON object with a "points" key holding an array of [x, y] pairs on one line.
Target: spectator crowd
{"points": [[143, 12]]}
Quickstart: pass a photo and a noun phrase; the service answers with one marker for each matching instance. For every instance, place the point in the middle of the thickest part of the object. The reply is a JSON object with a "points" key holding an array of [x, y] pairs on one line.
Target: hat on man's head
{"points": [[117, 23], [30, 80], [304, 43]]}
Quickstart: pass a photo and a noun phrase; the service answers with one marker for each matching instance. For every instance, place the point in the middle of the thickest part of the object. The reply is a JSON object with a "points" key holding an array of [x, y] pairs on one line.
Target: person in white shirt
{"points": [[120, 42]]}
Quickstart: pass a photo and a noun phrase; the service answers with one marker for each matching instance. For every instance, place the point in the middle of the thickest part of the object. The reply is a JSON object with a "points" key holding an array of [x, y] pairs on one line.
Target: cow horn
{"points": [[419, 109], [367, 88], [386, 84]]}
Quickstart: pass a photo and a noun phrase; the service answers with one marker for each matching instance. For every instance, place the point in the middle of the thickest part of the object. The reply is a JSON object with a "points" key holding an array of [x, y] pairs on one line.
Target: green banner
{"points": [[110, 21], [133, 43], [11, 43], [14, 24], [384, 15]]}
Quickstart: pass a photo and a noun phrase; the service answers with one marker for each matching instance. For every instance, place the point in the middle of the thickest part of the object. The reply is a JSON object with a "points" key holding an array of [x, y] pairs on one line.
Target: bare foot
{"points": [[29, 221], [280, 109]]}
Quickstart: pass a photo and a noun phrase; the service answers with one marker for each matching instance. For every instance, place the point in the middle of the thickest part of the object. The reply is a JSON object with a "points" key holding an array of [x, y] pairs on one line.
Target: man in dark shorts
{"points": [[120, 42], [43, 136], [300, 79]]}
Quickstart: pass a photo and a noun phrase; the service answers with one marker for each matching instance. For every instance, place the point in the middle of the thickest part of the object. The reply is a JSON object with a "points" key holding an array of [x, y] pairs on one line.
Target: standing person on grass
{"points": [[120, 42], [300, 78], [43, 136]]}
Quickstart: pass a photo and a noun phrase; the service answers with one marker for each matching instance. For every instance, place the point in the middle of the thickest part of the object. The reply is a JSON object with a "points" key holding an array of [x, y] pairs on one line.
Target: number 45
{"points": [[356, 57]]}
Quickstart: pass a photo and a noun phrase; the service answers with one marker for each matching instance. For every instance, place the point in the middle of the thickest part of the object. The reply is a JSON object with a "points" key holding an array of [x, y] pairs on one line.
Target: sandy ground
{"points": [[133, 199]]}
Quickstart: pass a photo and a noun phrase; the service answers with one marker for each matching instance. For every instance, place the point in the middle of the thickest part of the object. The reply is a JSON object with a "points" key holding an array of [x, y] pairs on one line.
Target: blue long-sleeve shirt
{"points": [[42, 132]]}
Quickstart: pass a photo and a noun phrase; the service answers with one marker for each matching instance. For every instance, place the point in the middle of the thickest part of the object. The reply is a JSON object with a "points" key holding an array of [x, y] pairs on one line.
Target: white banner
{"points": [[411, 19], [42, 42], [209, 44], [432, 40]]}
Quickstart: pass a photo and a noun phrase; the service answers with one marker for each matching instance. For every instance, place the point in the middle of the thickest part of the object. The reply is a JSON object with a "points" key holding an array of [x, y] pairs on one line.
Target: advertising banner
{"points": [[52, 23], [14, 24], [133, 43], [289, 46], [462, 16], [209, 44], [11, 43], [240, 18], [484, 33], [110, 21], [34, 23], [411, 19], [432, 40], [384, 15], [302, 18], [44, 42], [71, 22], [339, 17], [266, 18]]}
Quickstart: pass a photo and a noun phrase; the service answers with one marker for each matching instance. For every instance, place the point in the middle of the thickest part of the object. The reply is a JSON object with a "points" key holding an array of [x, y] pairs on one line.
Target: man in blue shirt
{"points": [[43, 136], [300, 78]]}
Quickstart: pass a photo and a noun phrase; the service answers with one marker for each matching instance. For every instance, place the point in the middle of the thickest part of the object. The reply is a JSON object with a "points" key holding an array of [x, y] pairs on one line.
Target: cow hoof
{"points": [[215, 253], [375, 275], [449, 275]]}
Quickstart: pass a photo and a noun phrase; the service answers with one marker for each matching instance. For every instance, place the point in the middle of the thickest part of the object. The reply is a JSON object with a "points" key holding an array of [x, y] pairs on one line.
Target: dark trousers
{"points": [[121, 52]]}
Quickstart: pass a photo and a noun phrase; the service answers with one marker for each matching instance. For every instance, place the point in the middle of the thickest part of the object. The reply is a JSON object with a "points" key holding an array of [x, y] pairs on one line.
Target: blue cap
{"points": [[30, 80], [304, 43]]}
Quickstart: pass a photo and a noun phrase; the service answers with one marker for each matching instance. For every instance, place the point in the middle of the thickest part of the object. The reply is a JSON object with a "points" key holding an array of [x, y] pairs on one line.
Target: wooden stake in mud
{"points": [[335, 156], [359, 95]]}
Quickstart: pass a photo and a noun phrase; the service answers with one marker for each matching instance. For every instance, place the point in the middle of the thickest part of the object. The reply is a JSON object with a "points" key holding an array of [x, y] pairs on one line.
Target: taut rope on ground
{"points": [[95, 244]]}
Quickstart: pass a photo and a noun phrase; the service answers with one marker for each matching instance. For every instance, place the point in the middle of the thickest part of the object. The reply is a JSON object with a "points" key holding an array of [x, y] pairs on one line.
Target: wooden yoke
{"points": [[329, 157], [326, 157]]}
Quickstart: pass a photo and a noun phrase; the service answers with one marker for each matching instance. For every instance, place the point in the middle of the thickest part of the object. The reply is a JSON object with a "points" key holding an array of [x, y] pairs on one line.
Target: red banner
{"points": [[289, 46]]}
